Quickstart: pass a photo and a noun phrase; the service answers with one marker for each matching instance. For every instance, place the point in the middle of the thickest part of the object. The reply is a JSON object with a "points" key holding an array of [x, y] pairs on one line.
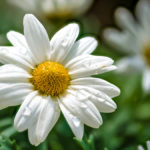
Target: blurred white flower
{"points": [[54, 8], [141, 147], [134, 39], [46, 77]]}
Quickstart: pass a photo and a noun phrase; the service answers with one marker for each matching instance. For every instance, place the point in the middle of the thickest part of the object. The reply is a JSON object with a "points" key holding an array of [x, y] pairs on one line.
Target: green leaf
{"points": [[8, 132], [5, 122], [86, 143], [6, 143]]}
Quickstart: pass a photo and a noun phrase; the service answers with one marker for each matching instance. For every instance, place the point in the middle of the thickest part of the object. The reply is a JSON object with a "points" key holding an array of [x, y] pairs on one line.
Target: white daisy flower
{"points": [[49, 77], [141, 147], [54, 8], [134, 39]]}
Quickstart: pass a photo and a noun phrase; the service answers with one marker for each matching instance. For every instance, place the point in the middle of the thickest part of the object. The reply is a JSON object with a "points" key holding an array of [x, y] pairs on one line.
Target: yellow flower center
{"points": [[147, 55], [50, 78]]}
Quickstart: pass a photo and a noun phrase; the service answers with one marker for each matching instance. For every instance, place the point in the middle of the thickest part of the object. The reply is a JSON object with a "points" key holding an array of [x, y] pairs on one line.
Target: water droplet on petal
{"points": [[76, 121], [83, 106], [27, 112]]}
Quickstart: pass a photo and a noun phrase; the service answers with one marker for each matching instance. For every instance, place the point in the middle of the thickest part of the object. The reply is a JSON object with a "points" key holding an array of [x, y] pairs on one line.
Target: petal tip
{"points": [[95, 41], [74, 25], [79, 137], [114, 67], [120, 12], [28, 17]]}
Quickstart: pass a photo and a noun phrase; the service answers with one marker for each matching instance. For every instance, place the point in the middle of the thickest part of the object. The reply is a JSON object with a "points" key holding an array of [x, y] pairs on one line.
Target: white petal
{"points": [[27, 112], [9, 55], [86, 65], [45, 120], [32, 134], [63, 41], [61, 6], [148, 145], [13, 74], [122, 40], [21, 47], [13, 94], [143, 13], [80, 7], [37, 38], [48, 117], [48, 7], [74, 122], [130, 64], [140, 147], [27, 5], [83, 109], [17, 39], [103, 102], [125, 20], [98, 84], [146, 80], [83, 46]]}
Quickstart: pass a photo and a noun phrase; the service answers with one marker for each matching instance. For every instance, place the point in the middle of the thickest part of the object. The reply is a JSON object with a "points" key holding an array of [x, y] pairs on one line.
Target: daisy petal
{"points": [[48, 116], [63, 41], [122, 40], [17, 39], [103, 102], [9, 55], [74, 122], [130, 64], [27, 112], [86, 65], [148, 145], [32, 134], [143, 13], [98, 84], [125, 19], [140, 147], [39, 129], [83, 46], [13, 74], [79, 7], [19, 42], [37, 38], [26, 5], [146, 80], [12, 95], [85, 110]]}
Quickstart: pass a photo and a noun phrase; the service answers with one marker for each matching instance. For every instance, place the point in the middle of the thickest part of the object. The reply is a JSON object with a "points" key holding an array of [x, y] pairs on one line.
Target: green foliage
{"points": [[86, 143], [6, 143]]}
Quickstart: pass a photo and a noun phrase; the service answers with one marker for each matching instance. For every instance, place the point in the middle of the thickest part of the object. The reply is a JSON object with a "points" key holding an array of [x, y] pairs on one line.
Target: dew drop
{"points": [[76, 121], [83, 106], [27, 112]]}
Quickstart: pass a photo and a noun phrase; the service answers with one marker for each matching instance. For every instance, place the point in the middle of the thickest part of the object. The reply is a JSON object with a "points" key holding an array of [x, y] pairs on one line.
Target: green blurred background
{"points": [[124, 129]]}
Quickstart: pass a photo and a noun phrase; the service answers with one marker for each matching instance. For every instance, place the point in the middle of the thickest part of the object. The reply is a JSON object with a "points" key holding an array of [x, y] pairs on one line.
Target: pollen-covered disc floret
{"points": [[50, 78]]}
